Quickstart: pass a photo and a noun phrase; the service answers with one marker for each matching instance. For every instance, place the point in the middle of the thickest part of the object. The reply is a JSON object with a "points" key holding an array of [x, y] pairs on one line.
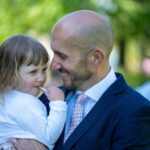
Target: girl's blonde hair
{"points": [[16, 51]]}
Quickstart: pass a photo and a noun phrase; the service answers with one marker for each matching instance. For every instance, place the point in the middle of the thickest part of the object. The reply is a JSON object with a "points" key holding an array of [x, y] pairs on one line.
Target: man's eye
{"points": [[64, 57], [61, 56]]}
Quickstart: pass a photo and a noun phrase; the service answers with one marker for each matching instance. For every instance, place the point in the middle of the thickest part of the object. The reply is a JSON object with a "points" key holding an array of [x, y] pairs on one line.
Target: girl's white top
{"points": [[24, 116]]}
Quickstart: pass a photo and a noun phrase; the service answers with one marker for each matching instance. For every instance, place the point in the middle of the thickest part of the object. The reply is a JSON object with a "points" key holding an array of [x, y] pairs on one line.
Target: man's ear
{"points": [[97, 57]]}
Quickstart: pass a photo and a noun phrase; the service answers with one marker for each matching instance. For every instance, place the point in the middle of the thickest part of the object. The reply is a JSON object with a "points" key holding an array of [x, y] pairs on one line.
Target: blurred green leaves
{"points": [[130, 20], [20, 16]]}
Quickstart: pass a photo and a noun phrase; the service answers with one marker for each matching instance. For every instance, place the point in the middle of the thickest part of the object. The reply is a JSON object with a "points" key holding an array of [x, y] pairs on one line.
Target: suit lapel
{"points": [[97, 114]]}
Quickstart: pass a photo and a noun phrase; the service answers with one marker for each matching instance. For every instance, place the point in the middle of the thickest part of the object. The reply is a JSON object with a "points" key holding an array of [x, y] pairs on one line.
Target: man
{"points": [[115, 117]]}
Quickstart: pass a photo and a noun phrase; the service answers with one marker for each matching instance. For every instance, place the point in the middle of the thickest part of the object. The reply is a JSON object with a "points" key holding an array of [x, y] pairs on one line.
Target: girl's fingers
{"points": [[43, 89]]}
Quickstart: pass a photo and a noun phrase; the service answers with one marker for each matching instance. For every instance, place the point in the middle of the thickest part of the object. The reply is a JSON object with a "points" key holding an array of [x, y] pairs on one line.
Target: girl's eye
{"points": [[44, 69], [33, 71]]}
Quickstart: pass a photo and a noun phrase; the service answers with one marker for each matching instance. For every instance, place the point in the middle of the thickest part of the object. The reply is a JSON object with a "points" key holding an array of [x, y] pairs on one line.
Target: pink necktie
{"points": [[77, 114]]}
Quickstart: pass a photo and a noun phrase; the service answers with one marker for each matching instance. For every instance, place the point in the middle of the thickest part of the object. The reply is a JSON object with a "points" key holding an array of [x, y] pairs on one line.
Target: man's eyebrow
{"points": [[59, 53]]}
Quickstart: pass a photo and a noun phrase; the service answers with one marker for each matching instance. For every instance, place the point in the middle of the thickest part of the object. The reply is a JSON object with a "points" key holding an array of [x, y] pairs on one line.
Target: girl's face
{"points": [[31, 78]]}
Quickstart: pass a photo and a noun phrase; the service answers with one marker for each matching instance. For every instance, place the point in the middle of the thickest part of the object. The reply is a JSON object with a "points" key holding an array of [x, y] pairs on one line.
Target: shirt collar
{"points": [[96, 91]]}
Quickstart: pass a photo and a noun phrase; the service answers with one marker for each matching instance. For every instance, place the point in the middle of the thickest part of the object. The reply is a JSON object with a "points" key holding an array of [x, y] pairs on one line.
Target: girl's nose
{"points": [[41, 77]]}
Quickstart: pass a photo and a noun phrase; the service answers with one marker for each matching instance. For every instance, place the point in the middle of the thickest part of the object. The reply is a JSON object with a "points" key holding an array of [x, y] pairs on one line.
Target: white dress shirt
{"points": [[94, 94]]}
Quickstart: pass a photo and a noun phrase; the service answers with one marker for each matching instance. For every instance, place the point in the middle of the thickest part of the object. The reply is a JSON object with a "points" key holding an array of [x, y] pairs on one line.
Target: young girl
{"points": [[23, 65]]}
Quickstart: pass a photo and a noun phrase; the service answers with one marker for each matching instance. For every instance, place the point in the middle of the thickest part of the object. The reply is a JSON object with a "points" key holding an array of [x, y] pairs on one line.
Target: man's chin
{"points": [[66, 85], [69, 87]]}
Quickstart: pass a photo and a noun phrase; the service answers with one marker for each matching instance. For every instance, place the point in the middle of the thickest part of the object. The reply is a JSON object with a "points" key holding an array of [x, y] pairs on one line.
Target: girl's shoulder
{"points": [[18, 97]]}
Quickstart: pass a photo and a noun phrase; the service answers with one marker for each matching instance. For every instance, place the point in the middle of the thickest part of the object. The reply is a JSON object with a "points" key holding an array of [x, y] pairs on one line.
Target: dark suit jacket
{"points": [[120, 120]]}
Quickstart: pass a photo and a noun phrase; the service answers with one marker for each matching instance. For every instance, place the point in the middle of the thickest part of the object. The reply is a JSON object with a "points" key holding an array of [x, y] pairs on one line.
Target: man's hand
{"points": [[27, 144]]}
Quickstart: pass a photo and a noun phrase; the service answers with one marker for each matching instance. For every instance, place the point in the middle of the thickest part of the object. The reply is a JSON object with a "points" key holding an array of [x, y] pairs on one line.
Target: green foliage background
{"points": [[129, 18]]}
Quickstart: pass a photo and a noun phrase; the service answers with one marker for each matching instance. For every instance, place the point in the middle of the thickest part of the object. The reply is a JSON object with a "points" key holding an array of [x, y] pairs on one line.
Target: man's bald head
{"points": [[86, 29]]}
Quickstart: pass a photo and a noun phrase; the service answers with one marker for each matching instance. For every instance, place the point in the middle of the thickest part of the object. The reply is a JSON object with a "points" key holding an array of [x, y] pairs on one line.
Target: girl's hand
{"points": [[53, 93]]}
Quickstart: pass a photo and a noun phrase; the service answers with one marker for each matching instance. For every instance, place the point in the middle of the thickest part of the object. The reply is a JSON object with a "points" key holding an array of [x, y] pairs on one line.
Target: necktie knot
{"points": [[80, 97]]}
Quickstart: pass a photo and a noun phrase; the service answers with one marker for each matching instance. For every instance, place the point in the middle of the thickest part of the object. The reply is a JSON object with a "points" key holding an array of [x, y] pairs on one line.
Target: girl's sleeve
{"points": [[31, 116]]}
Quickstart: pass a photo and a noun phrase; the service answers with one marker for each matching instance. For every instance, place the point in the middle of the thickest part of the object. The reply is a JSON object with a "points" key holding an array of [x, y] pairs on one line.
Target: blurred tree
{"points": [[73, 5], [21, 16], [130, 20]]}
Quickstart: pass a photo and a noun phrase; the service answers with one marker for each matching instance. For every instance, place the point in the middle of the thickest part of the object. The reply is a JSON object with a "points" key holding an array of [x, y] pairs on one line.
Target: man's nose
{"points": [[55, 65]]}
